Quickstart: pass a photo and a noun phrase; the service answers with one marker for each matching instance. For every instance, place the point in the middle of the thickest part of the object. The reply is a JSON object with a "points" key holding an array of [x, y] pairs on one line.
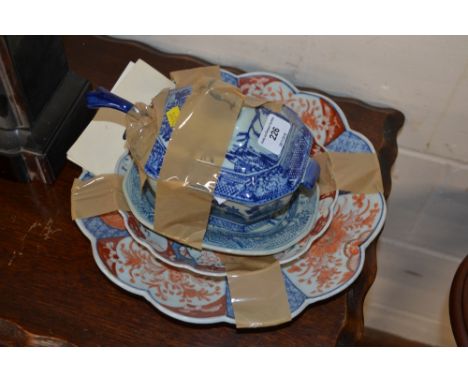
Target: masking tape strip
{"points": [[159, 105], [187, 77], [142, 131], [257, 289], [353, 172], [99, 195], [188, 176], [274, 106]]}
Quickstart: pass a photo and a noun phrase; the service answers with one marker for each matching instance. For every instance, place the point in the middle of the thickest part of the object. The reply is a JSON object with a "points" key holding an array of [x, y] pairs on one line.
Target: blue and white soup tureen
{"points": [[266, 162]]}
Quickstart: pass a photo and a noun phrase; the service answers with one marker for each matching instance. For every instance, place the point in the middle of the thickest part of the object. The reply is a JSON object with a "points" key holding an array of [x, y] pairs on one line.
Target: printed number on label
{"points": [[274, 134]]}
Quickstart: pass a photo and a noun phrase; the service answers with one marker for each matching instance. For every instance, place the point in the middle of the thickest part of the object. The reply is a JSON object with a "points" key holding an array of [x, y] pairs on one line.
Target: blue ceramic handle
{"points": [[104, 98]]}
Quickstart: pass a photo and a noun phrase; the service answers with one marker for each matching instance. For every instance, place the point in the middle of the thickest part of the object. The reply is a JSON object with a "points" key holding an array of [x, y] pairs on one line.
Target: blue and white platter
{"points": [[264, 237]]}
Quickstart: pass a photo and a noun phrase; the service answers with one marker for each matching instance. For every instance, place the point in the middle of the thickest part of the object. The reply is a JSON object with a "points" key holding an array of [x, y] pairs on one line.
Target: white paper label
{"points": [[274, 134], [101, 145]]}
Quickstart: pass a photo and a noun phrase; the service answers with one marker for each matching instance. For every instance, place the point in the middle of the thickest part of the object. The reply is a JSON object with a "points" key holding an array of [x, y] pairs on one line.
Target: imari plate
{"points": [[329, 266]]}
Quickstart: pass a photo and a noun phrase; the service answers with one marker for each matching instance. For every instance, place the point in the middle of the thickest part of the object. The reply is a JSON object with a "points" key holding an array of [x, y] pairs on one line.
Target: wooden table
{"points": [[52, 292]]}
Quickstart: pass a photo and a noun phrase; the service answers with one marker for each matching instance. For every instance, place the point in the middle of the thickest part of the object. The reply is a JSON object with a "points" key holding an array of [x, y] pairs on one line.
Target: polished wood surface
{"points": [[458, 304], [51, 288]]}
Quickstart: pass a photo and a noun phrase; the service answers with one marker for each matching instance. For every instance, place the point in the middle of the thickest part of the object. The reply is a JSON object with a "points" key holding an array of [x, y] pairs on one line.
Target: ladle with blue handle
{"points": [[102, 97]]}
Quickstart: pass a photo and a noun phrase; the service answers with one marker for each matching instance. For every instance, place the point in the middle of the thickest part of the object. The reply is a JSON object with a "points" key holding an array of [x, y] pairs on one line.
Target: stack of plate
{"points": [[319, 241]]}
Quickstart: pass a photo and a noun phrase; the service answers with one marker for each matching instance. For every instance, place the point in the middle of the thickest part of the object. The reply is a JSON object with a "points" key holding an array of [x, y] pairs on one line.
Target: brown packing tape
{"points": [[141, 131], [352, 172], [257, 289], [250, 101], [187, 77], [274, 106], [326, 180], [253, 101], [159, 104], [96, 196], [193, 160], [182, 213]]}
